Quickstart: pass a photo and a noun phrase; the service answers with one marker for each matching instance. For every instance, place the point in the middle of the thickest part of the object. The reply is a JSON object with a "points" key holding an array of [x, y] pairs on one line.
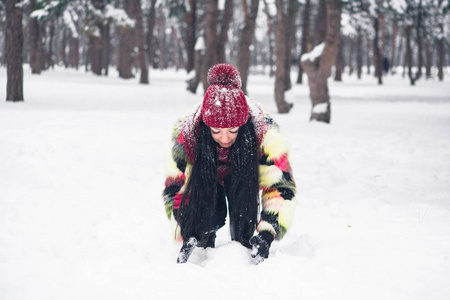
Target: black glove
{"points": [[186, 250], [261, 244]]}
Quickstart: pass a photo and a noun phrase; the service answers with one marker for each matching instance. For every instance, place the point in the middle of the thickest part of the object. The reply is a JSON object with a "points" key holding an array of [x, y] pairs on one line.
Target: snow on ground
{"points": [[81, 174]]}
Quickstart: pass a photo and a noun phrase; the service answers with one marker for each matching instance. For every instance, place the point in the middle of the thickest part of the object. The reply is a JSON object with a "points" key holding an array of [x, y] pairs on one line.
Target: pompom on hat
{"points": [[224, 104]]}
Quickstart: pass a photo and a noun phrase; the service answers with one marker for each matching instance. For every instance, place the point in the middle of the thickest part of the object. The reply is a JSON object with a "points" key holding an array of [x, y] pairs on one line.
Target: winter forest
{"points": [[90, 91], [384, 36]]}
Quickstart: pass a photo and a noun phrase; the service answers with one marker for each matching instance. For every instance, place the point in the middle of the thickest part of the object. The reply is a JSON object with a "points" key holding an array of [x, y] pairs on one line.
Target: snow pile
{"points": [[81, 176], [314, 54]]}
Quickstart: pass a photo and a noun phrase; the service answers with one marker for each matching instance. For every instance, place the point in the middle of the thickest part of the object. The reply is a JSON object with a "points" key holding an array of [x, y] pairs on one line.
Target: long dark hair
{"points": [[199, 201]]}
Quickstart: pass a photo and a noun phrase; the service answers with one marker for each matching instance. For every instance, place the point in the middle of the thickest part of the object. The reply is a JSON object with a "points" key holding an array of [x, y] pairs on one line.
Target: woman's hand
{"points": [[186, 250], [261, 245]]}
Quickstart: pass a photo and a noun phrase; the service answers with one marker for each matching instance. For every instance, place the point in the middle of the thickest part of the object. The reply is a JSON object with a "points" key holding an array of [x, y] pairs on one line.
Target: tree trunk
{"points": [[74, 53], [162, 39], [408, 58], [223, 35], [359, 57], [140, 41], [269, 37], [290, 30], [419, 41], [320, 24], [126, 57], [50, 61], [106, 36], [95, 53], [377, 52], [150, 32], [305, 47], [14, 49], [318, 68], [194, 81], [368, 62], [441, 54], [245, 40], [340, 61], [64, 48], [190, 33], [212, 12], [33, 38], [351, 46], [394, 42], [429, 58], [280, 72]]}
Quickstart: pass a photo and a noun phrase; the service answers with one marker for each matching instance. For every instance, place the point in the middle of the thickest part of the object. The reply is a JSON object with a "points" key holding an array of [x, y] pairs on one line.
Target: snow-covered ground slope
{"points": [[82, 170]]}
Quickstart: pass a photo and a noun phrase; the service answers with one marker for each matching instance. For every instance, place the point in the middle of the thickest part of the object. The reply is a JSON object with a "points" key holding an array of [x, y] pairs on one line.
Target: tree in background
{"points": [[14, 50], [284, 37], [306, 38], [245, 40], [317, 63]]}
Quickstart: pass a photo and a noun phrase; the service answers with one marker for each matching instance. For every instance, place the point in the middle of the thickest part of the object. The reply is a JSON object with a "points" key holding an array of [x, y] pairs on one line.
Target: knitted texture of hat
{"points": [[224, 104]]}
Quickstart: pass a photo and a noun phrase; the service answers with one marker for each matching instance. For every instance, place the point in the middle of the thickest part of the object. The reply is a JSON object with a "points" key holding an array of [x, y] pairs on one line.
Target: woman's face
{"points": [[225, 137]]}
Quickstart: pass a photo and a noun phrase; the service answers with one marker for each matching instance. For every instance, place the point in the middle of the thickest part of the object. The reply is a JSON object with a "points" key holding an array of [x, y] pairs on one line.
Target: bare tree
{"points": [[246, 39], [35, 36], [190, 33], [223, 35], [305, 46], [212, 12], [14, 48], [317, 64], [137, 14], [151, 18]]}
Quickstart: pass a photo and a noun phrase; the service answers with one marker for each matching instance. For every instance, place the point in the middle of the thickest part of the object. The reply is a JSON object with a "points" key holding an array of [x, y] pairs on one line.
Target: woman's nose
{"points": [[224, 138]]}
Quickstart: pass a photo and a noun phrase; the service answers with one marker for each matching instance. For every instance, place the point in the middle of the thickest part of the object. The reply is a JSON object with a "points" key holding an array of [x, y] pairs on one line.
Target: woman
{"points": [[225, 150]]}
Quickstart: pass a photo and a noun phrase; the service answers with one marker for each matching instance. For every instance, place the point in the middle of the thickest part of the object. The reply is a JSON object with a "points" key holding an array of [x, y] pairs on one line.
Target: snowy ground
{"points": [[81, 174]]}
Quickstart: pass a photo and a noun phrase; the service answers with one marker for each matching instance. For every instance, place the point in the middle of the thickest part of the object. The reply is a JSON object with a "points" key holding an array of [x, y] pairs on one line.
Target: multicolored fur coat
{"points": [[275, 174]]}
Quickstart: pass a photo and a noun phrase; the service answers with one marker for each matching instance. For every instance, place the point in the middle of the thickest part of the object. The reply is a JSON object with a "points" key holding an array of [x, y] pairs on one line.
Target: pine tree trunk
{"points": [[212, 12], [162, 41], [125, 54], [269, 37], [368, 62], [305, 47], [74, 53], [64, 49], [419, 39], [280, 72], [351, 55], [408, 58], [245, 40], [320, 24], [106, 36], [33, 38], [359, 57], [318, 69], [340, 62], [440, 55], [140, 41], [95, 53], [290, 30], [151, 19], [14, 49], [126, 57], [377, 52], [190, 34], [394, 44], [223, 35], [50, 61], [429, 58]]}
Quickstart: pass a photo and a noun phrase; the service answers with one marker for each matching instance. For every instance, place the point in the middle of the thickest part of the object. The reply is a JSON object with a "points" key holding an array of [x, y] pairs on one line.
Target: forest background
{"points": [[269, 36]]}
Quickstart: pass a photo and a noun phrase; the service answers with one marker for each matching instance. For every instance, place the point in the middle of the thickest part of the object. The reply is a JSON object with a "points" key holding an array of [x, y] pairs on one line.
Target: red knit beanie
{"points": [[224, 104]]}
